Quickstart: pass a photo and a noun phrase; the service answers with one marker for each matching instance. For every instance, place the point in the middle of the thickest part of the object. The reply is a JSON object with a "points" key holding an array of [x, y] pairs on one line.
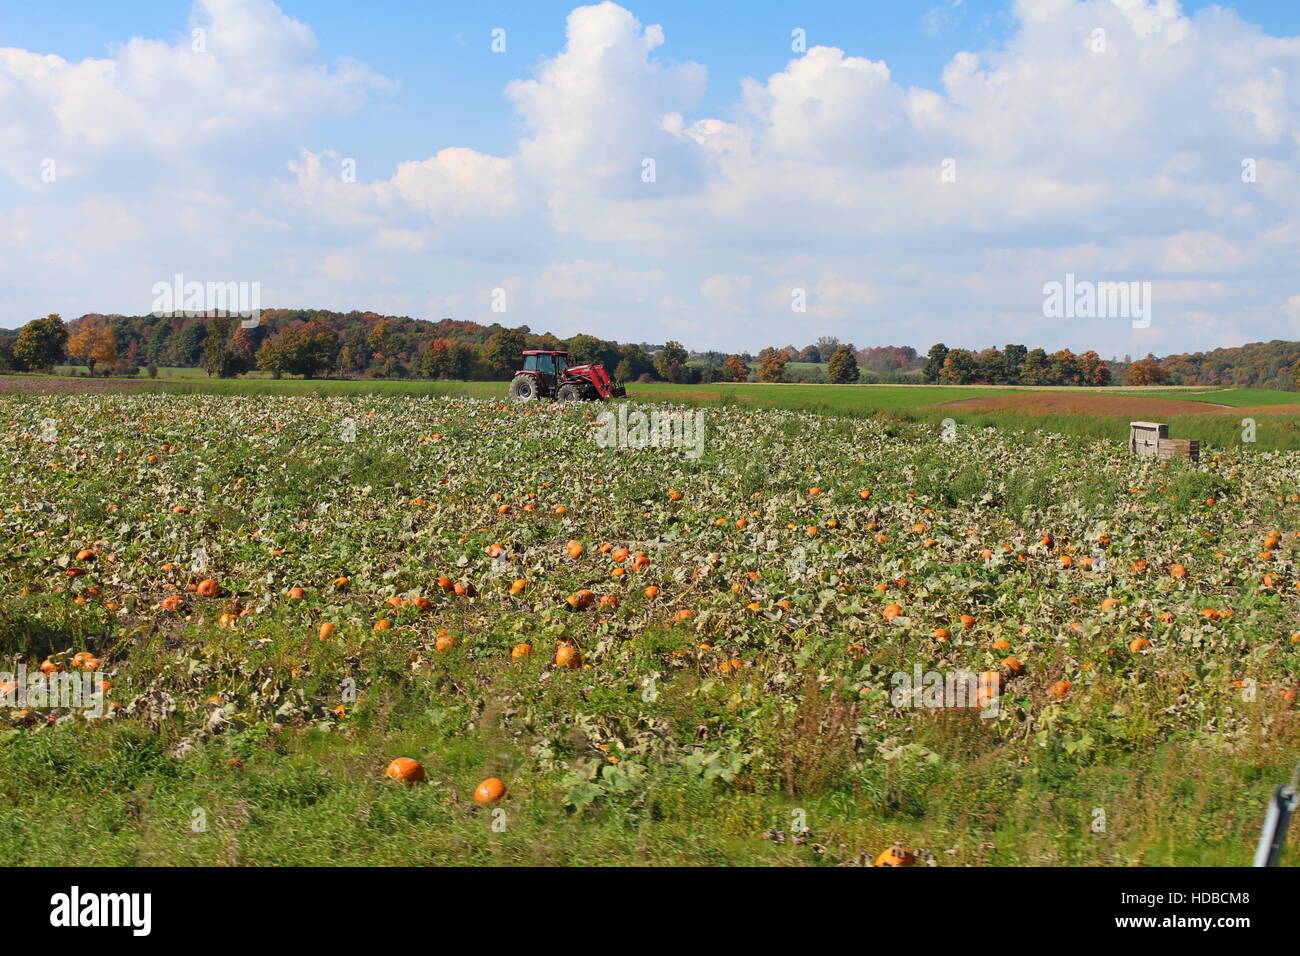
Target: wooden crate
{"points": [[1179, 448], [1144, 437]]}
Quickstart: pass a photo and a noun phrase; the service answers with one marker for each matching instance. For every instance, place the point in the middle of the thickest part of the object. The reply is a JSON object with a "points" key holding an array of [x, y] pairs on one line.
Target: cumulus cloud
{"points": [[1114, 139]]}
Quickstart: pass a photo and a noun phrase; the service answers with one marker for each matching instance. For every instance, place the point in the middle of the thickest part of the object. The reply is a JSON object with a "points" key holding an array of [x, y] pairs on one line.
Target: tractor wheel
{"points": [[568, 393], [523, 388]]}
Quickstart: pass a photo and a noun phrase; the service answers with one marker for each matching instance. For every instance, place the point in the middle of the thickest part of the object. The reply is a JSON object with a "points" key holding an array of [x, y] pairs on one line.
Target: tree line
{"points": [[315, 342]]}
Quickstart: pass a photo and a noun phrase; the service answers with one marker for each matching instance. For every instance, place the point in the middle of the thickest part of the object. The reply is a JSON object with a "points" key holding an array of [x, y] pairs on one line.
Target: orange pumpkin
{"points": [[489, 791], [405, 770], [896, 855], [892, 611], [207, 588], [521, 650], [574, 549], [566, 655], [326, 630], [580, 600]]}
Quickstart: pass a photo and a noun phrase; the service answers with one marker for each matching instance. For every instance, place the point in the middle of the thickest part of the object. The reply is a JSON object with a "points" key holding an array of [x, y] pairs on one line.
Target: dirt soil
{"points": [[40, 385], [1132, 407]]}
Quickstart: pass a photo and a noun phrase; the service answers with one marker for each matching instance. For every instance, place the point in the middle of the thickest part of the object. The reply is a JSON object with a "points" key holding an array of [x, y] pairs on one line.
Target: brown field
{"points": [[1117, 406], [46, 385]]}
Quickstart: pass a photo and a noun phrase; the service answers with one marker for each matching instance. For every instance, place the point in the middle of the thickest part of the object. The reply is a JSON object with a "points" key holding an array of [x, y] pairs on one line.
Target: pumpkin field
{"points": [[439, 629]]}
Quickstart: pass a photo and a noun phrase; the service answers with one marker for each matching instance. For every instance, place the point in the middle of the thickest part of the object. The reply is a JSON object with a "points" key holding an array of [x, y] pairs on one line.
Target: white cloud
{"points": [[829, 175]]}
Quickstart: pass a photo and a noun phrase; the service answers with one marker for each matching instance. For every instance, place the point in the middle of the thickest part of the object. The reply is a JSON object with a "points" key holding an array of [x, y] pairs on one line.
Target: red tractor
{"points": [[547, 374]]}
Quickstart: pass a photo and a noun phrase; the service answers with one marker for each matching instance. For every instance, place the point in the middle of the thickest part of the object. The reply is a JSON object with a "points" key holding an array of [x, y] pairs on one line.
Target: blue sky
{"points": [[778, 169]]}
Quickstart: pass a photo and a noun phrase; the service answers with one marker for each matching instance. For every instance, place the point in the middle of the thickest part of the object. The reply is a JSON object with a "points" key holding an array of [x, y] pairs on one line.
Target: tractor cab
{"points": [[549, 365]]}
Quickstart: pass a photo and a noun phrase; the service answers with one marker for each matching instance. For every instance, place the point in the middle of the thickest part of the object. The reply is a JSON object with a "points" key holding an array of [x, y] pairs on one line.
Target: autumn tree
{"points": [[104, 351], [1092, 369], [243, 350], [1065, 366], [737, 367], [81, 345], [433, 361], [1145, 371], [771, 365], [842, 369], [958, 367]]}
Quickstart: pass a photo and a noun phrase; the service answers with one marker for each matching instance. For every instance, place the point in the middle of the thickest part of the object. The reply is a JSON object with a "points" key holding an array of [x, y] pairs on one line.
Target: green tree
{"points": [[671, 363], [185, 348], [460, 361], [1014, 357], [41, 344], [934, 362], [1036, 369], [302, 348], [586, 349], [501, 353], [218, 356], [842, 369]]}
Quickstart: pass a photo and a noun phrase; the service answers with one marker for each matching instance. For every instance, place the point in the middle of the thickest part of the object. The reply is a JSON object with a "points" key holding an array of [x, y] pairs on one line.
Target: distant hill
{"points": [[1258, 364]]}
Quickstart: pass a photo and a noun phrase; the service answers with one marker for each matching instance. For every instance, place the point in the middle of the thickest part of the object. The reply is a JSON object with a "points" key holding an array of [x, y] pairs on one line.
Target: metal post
{"points": [[1273, 837]]}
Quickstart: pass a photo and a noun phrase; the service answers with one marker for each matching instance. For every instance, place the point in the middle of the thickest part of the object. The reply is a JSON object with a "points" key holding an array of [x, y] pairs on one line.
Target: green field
{"points": [[906, 403], [735, 672]]}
